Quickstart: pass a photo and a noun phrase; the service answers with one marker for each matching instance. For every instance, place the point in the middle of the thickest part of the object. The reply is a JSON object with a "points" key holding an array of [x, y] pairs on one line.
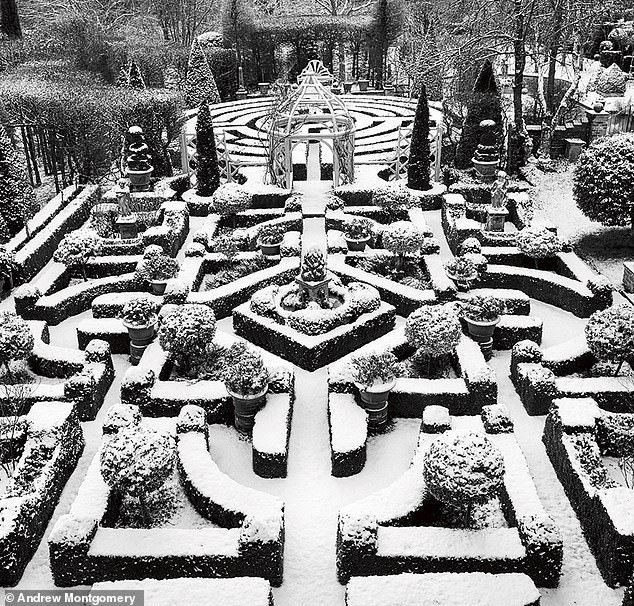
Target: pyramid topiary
{"points": [[418, 167], [200, 86], [207, 173], [314, 265], [486, 104]]}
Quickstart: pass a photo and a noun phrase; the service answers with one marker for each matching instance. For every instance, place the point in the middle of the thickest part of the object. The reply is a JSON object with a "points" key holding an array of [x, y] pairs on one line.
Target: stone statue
{"points": [[499, 190], [122, 192]]}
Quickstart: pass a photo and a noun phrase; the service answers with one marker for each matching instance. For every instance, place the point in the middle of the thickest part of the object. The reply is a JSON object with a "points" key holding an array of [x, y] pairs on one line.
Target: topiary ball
{"points": [[610, 333], [403, 238], [537, 242], [434, 329], [463, 468]]}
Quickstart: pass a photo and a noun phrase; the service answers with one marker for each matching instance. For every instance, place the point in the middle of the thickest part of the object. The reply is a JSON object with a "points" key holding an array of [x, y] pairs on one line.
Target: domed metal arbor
{"points": [[311, 113]]}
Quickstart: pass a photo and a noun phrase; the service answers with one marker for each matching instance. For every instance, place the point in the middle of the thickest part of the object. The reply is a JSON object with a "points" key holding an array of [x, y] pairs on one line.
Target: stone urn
{"points": [[270, 250], [374, 399], [363, 85], [140, 338], [486, 159], [158, 286], [347, 87], [245, 408], [481, 332], [139, 169], [356, 245]]}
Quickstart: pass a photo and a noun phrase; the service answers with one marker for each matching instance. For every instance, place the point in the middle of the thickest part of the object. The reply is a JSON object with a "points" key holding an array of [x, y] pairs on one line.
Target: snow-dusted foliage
{"points": [[246, 373], [77, 247], [433, 330], [137, 460], [314, 265], [470, 245], [392, 198], [230, 199], [537, 242], [188, 331], [157, 267], [482, 308], [16, 339], [603, 180], [374, 368], [610, 333], [403, 238], [463, 468], [200, 85], [140, 311]]}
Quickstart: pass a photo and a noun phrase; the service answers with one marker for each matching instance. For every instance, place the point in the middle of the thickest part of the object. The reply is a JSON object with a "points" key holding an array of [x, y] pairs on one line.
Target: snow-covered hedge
{"points": [[171, 233], [348, 425], [84, 549], [603, 506], [378, 536], [54, 443]]}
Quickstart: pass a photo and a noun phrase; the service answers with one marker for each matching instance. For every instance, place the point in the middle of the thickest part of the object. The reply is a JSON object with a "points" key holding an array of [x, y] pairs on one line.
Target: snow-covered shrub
{"points": [[152, 250], [470, 245], [313, 265], [230, 199], [480, 262], [77, 248], [157, 267], [140, 311], [245, 373], [537, 242], [433, 330], [610, 334], [16, 339], [611, 81], [603, 179], [463, 468], [137, 460], [403, 239], [7, 262], [176, 292], [200, 86], [461, 268], [357, 228], [482, 308], [187, 332], [392, 199], [313, 320], [263, 301], [119, 416], [270, 234], [195, 249], [374, 368], [497, 419]]}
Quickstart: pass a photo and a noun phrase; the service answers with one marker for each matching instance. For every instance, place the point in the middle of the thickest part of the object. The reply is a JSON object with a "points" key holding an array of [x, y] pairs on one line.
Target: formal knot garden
{"points": [[314, 362]]}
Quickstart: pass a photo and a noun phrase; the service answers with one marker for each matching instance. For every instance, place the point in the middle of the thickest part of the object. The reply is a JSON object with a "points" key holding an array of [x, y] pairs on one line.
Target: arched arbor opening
{"points": [[311, 114]]}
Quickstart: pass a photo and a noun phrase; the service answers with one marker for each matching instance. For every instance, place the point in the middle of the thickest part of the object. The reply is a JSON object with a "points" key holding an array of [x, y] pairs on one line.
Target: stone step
{"points": [[446, 588]]}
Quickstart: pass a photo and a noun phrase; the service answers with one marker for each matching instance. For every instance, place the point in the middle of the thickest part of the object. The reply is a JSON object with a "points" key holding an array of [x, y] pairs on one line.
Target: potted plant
{"points": [[270, 239], [264, 88], [247, 381], [461, 270], [157, 270], [363, 85], [357, 234], [139, 167], [347, 87], [482, 314], [375, 377], [538, 243], [139, 316]]}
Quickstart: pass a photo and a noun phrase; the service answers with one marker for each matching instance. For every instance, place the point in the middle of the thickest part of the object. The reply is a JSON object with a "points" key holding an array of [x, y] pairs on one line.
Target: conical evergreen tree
{"points": [[135, 77], [200, 86], [17, 200], [486, 104], [208, 174], [419, 152]]}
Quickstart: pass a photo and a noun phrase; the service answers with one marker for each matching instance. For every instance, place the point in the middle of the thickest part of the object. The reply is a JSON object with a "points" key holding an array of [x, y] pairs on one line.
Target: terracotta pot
{"points": [[270, 250], [374, 400], [245, 407], [158, 286], [357, 245], [481, 330], [363, 85]]}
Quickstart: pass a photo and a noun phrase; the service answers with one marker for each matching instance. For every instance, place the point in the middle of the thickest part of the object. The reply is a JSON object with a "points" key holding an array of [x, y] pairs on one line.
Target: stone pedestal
{"points": [[241, 94], [628, 276], [574, 148], [496, 218], [314, 291], [598, 123], [127, 227]]}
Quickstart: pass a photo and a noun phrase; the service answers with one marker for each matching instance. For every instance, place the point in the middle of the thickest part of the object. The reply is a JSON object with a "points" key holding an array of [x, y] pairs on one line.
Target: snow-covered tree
{"points": [[207, 172], [77, 248], [200, 85]]}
